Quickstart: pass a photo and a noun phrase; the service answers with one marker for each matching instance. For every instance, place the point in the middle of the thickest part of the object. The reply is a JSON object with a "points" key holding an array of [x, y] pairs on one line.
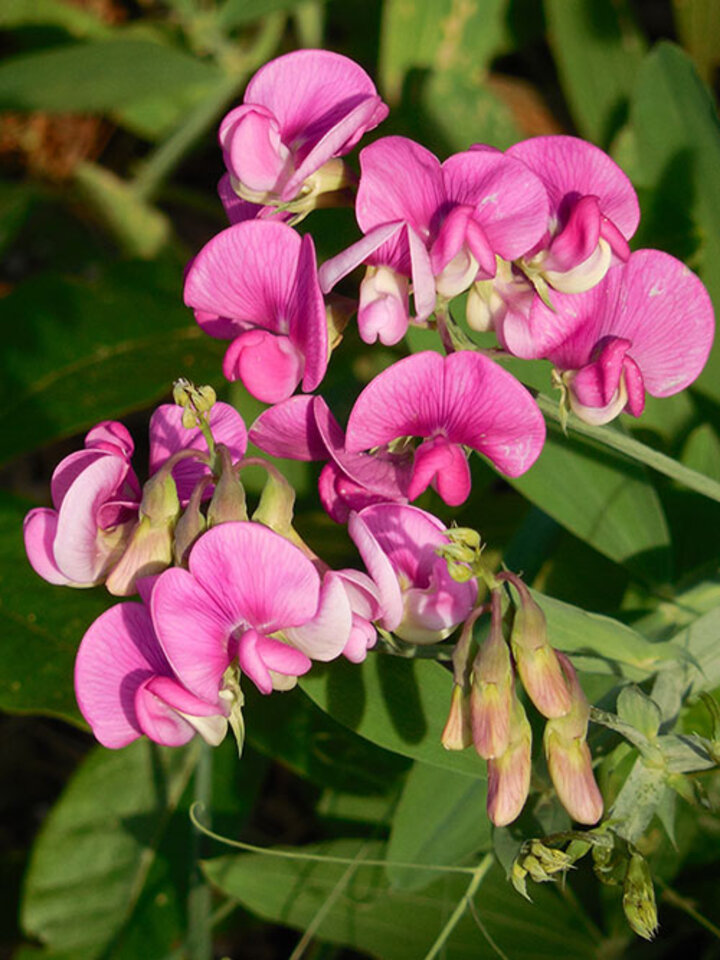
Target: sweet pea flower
{"points": [[648, 326], [418, 599], [440, 225], [252, 598], [255, 284], [125, 687], [299, 114], [303, 428], [96, 497], [461, 400]]}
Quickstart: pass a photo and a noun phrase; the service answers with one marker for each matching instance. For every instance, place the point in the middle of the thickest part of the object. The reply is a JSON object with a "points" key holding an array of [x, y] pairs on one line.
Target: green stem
{"points": [[478, 875], [170, 153], [199, 944], [635, 450], [309, 20]]}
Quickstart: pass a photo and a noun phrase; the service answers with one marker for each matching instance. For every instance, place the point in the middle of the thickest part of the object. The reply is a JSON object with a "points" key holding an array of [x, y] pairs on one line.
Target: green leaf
{"points": [[440, 819], [604, 500], [702, 451], [99, 75], [94, 349], [638, 800], [99, 845], [41, 627], [76, 20], [637, 709], [700, 641], [365, 914], [677, 137], [399, 704], [698, 26], [598, 50], [16, 200]]}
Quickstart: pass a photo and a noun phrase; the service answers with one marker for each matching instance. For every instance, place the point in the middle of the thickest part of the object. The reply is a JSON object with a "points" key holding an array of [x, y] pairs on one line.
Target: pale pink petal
{"points": [[288, 430], [406, 399], [80, 553], [363, 637], [241, 565], [194, 631], [362, 593], [380, 570], [571, 168], [269, 366], [258, 655], [118, 653], [509, 200], [253, 149], [345, 262], [310, 91], [306, 318], [39, 529], [246, 272], [423, 282], [69, 469], [408, 536], [325, 635]]}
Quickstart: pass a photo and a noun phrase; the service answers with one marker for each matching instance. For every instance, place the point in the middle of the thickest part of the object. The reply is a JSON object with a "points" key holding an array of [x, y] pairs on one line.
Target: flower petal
{"points": [[288, 430], [39, 530], [325, 635], [381, 571], [269, 366], [306, 317]]}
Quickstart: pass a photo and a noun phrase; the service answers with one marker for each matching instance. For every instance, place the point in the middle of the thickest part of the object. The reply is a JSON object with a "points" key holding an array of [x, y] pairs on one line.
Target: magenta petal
{"points": [[596, 383], [408, 537], [307, 319], [618, 244], [236, 209], [246, 273], [194, 631], [422, 276], [118, 653], [241, 565], [404, 400], [111, 437], [258, 655], [325, 635], [288, 430], [381, 571], [578, 239], [445, 466], [400, 181], [345, 262], [635, 386], [39, 529], [69, 469], [570, 167], [269, 366], [158, 721], [363, 637], [254, 152]]}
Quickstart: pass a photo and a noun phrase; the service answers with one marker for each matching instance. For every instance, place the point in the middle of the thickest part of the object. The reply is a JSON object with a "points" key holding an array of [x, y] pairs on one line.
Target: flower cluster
{"points": [[535, 242]]}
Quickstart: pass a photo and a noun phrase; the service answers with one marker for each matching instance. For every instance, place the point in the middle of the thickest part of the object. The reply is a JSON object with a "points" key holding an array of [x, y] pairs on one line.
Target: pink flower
{"points": [[249, 597], [96, 497], [256, 284], [417, 598], [648, 327], [299, 112], [462, 400], [441, 225], [303, 428], [125, 687]]}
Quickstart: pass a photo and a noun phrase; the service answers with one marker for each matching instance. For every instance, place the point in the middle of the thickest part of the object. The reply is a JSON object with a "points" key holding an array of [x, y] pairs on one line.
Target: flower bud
{"points": [[195, 400], [568, 755], [276, 506], [457, 734], [190, 525], [509, 773], [536, 661], [491, 694], [639, 898], [228, 500]]}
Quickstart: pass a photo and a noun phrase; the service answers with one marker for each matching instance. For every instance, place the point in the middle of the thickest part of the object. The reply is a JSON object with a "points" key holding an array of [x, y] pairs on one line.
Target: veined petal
{"points": [[269, 366], [408, 536], [306, 317], [345, 262], [325, 635], [381, 571], [254, 151], [578, 239], [445, 466], [258, 655], [158, 721], [246, 272], [111, 437], [39, 530], [288, 430]]}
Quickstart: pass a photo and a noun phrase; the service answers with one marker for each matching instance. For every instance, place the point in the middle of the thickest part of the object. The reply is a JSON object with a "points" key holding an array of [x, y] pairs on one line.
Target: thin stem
{"points": [[484, 931], [478, 875], [170, 153], [635, 450], [671, 897], [199, 939]]}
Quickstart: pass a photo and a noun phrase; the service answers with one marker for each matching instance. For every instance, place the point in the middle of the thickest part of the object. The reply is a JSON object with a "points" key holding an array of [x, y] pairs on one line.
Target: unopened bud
{"points": [[228, 500], [639, 898], [536, 660], [491, 694], [509, 774], [568, 755], [195, 400], [190, 525], [338, 310], [484, 305], [276, 506], [457, 734], [548, 861]]}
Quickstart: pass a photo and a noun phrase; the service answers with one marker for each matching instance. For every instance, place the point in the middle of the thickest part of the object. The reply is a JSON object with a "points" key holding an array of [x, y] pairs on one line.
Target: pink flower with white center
{"points": [[440, 225], [648, 326], [418, 599], [125, 687], [256, 284], [299, 113], [303, 428], [462, 400], [249, 597], [96, 497]]}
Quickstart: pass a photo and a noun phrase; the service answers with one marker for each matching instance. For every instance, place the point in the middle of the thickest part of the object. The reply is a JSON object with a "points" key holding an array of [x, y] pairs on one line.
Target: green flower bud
{"points": [[639, 898]]}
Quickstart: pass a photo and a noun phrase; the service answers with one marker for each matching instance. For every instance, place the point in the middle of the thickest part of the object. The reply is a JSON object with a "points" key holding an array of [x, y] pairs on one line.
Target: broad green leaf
{"points": [[99, 75], [400, 704], [604, 500], [94, 349], [336, 805], [702, 451], [440, 819], [42, 626], [638, 800], [78, 21], [99, 845], [700, 641], [637, 709], [597, 49], [360, 911], [677, 137]]}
